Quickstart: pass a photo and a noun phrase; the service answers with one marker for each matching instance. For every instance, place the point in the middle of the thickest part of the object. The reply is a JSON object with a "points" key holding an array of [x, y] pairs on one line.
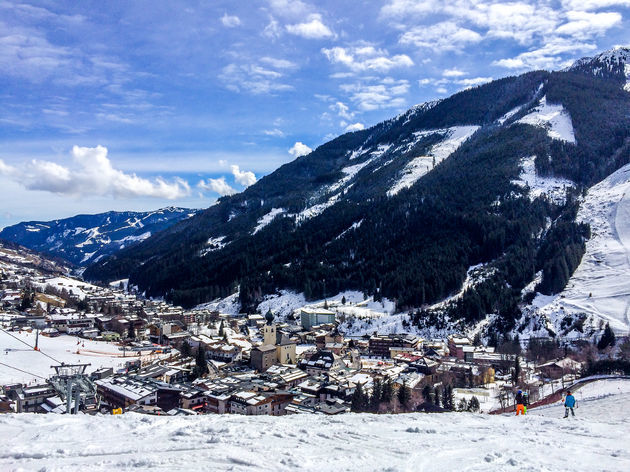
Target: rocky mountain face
{"points": [[469, 203], [84, 239]]}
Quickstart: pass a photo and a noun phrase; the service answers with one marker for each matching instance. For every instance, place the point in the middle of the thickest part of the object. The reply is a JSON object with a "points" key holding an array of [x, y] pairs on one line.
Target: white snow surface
{"points": [[540, 441], [554, 187], [600, 285], [267, 218], [77, 287], [554, 118], [510, 114], [64, 348], [454, 137]]}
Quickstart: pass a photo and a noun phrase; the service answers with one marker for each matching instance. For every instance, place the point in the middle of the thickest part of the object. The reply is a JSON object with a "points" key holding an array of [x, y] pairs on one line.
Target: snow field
{"points": [[595, 440], [554, 118], [599, 286], [63, 348], [453, 138], [554, 187]]}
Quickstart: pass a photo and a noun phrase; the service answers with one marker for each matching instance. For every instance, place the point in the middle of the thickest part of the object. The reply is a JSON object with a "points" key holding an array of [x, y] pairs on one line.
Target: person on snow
{"points": [[520, 403], [525, 402], [569, 403]]}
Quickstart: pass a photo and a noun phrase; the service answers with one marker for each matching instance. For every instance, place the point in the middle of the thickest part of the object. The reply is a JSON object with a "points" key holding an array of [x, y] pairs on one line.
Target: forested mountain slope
{"points": [[491, 176]]}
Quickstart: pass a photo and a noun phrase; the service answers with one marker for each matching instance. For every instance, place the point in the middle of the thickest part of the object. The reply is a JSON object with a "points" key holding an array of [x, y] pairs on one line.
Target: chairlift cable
{"points": [[38, 350]]}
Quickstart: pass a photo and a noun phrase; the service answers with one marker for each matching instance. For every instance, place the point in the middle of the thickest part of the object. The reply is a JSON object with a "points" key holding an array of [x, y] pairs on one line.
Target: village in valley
{"points": [[69, 346]]}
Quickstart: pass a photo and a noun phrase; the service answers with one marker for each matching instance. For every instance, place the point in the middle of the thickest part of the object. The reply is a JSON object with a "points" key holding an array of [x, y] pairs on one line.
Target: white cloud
{"points": [[546, 57], [278, 63], [388, 93], [273, 29], [366, 58], [444, 36], [245, 178], [230, 21], [454, 72], [253, 78], [355, 127], [91, 174], [441, 90], [584, 25], [219, 186], [300, 149], [313, 28], [473, 81], [586, 5], [342, 110], [278, 133], [289, 8]]}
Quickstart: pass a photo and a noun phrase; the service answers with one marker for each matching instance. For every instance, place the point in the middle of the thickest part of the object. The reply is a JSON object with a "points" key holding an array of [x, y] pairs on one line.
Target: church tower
{"points": [[269, 330]]}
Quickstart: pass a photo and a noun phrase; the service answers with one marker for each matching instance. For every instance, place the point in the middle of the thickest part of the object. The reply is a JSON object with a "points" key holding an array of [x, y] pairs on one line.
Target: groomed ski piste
{"points": [[595, 440]]}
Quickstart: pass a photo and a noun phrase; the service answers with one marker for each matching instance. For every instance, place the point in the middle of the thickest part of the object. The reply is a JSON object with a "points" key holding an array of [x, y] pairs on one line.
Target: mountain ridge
{"points": [[325, 222], [86, 238]]}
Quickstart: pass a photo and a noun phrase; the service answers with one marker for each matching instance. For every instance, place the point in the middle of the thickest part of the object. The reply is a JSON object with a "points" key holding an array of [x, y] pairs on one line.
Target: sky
{"points": [[137, 105]]}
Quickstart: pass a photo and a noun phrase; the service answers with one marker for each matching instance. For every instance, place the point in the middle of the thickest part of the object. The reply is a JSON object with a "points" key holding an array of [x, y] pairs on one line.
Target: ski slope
{"points": [[540, 441], [67, 349], [600, 286]]}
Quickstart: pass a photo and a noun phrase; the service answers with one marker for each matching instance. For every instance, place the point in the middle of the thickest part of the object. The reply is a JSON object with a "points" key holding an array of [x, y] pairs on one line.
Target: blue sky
{"points": [[142, 104]]}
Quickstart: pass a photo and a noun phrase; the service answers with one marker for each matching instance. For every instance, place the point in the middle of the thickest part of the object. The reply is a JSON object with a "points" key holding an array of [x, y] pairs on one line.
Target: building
{"points": [[456, 345], [126, 391], [250, 403], [223, 352], [316, 316], [269, 334], [382, 345], [30, 399], [286, 351], [263, 357], [321, 362]]}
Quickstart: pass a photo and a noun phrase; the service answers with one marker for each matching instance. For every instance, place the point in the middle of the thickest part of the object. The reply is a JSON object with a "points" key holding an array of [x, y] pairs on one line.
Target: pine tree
{"points": [[462, 405], [426, 393], [436, 396], [473, 404], [516, 372], [377, 395], [388, 391], [222, 329], [404, 393], [201, 364], [608, 338], [359, 399], [447, 398], [185, 350], [343, 300]]}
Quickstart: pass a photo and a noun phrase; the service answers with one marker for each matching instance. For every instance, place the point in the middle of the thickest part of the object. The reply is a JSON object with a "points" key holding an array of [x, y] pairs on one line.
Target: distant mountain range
{"points": [[461, 211], [84, 239]]}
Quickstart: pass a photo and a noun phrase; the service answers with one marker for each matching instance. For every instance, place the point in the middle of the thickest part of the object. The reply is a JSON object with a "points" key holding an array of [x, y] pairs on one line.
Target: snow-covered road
{"points": [[542, 441]]}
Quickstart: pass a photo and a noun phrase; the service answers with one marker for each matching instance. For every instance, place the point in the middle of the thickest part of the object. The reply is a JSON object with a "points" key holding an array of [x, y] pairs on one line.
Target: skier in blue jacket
{"points": [[569, 403]]}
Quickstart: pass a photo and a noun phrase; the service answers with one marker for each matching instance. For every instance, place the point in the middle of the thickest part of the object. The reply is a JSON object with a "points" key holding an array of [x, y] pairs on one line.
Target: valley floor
{"points": [[542, 441]]}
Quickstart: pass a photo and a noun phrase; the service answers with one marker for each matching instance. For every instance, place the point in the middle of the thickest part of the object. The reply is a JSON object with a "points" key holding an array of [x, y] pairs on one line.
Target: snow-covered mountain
{"points": [[599, 290], [16, 258], [613, 63], [84, 239], [485, 183]]}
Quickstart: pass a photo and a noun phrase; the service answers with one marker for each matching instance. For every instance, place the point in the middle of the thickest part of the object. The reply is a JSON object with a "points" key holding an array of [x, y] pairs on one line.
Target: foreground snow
{"points": [[543, 440]]}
